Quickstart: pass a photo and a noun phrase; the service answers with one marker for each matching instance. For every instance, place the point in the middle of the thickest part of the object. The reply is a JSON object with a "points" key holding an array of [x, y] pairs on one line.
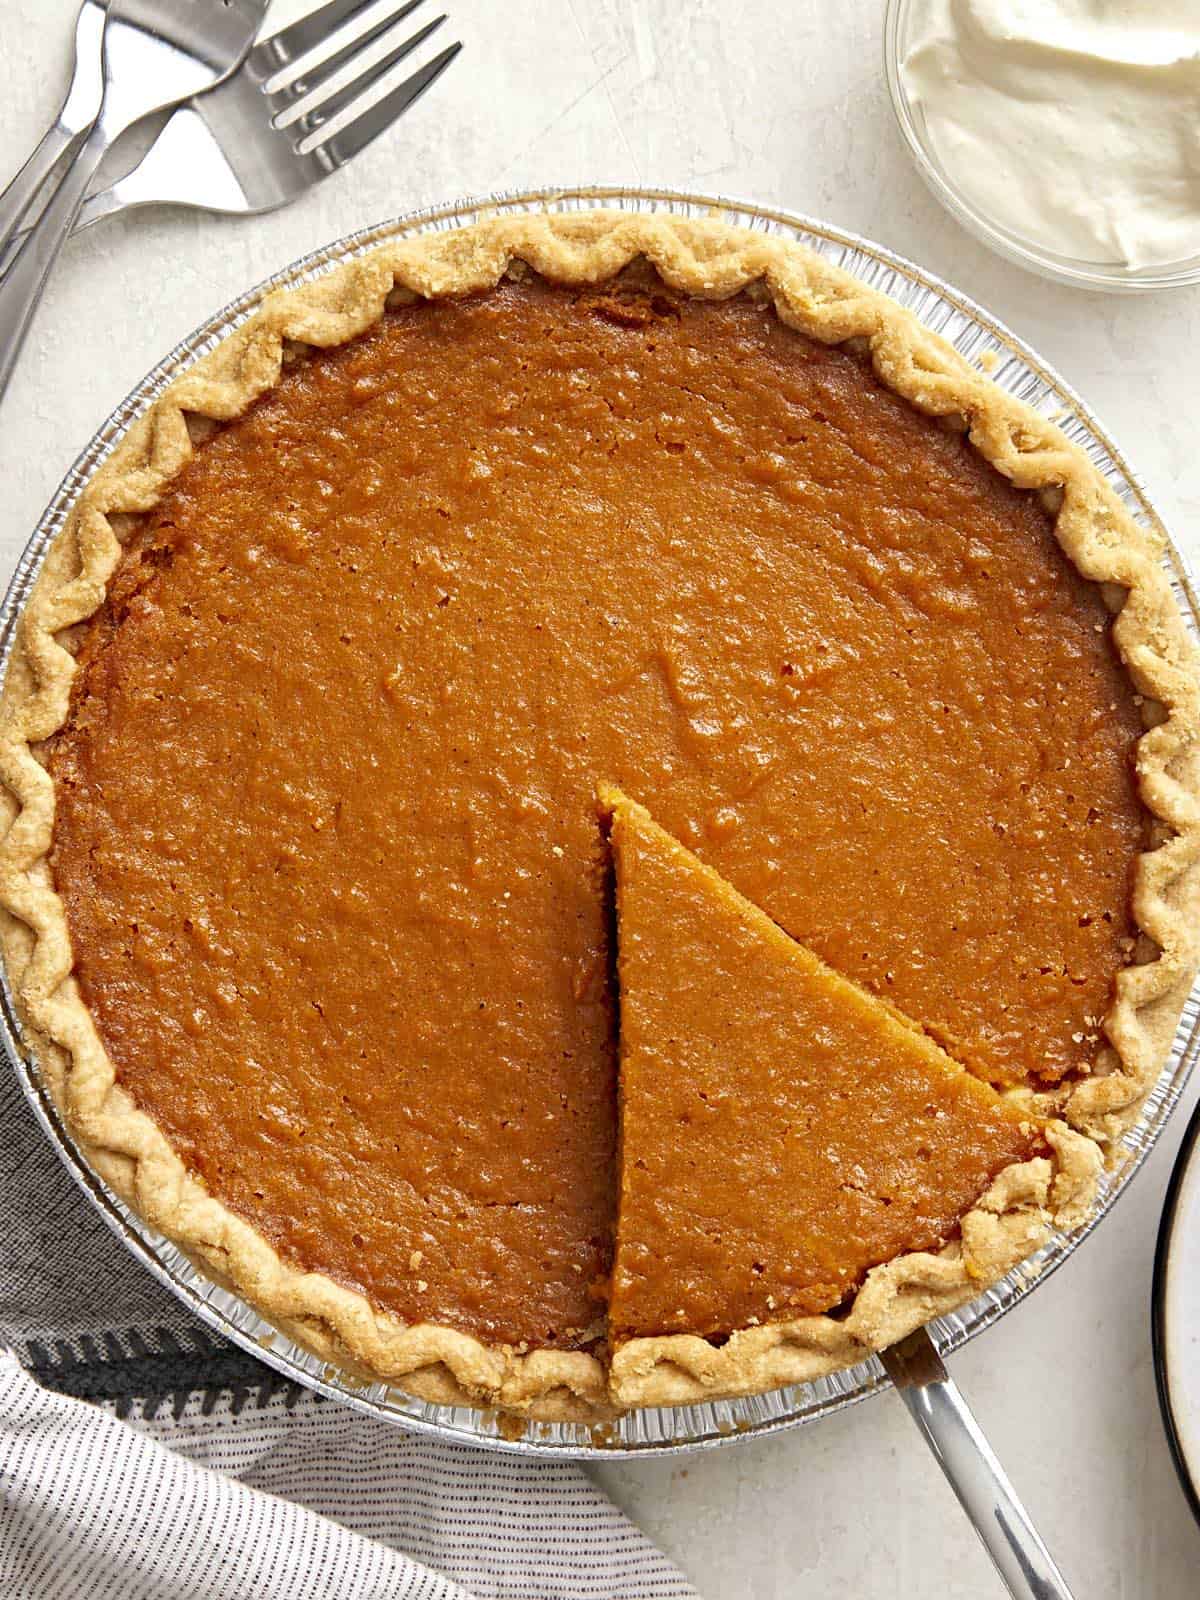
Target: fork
{"points": [[223, 152], [80, 108], [156, 54], [235, 149]]}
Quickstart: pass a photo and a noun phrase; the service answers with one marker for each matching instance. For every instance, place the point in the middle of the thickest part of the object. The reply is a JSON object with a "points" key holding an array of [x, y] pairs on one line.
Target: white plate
{"points": [[1175, 1313]]}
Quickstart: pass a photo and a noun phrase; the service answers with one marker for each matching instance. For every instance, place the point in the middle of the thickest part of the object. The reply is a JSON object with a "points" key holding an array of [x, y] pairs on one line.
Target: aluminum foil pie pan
{"points": [[1011, 364]]}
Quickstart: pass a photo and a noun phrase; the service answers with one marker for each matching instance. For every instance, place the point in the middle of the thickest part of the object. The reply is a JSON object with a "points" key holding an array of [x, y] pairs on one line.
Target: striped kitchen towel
{"points": [[188, 1471]]}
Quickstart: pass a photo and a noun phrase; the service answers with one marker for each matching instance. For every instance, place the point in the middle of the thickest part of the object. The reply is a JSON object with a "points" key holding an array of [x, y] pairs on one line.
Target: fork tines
{"points": [[331, 104]]}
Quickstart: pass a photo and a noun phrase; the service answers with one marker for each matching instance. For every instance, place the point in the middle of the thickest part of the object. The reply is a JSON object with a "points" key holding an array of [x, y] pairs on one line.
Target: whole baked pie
{"points": [[308, 908]]}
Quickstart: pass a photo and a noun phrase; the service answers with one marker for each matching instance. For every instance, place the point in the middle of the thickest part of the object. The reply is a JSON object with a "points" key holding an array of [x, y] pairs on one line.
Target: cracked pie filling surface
{"points": [[319, 936]]}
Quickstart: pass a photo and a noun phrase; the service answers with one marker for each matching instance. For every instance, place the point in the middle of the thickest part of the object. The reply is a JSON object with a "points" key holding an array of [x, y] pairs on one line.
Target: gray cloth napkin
{"points": [[82, 1316], [225, 1482]]}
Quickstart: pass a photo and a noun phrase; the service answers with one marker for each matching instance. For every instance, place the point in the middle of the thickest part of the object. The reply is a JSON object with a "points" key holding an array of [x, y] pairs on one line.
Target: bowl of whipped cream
{"points": [[1063, 133]]}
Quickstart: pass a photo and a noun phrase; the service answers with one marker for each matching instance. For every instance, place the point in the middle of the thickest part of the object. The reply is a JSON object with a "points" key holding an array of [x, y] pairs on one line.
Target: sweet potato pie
{"points": [[596, 818]]}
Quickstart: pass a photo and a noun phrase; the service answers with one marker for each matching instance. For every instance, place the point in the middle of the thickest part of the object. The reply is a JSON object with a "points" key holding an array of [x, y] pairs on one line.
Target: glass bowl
{"points": [[1111, 276]]}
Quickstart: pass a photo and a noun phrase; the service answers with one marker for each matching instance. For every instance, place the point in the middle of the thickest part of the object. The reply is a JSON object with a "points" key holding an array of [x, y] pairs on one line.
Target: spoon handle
{"points": [[973, 1472]]}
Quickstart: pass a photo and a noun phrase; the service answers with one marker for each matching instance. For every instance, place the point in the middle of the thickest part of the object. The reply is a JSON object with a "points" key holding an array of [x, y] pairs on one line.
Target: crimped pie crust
{"points": [[1012, 1219]]}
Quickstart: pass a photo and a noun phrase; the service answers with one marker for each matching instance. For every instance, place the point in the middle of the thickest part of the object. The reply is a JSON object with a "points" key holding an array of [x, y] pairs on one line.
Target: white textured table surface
{"points": [[784, 103]]}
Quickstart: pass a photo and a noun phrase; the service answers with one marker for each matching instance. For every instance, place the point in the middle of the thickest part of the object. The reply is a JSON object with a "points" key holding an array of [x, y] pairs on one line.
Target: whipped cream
{"points": [[1074, 124]]}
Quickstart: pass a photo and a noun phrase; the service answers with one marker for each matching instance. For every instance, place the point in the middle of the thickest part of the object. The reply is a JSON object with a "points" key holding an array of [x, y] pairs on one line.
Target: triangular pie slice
{"points": [[783, 1133]]}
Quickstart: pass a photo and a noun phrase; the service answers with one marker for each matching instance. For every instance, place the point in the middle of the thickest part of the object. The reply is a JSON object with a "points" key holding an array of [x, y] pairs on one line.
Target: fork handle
{"points": [[23, 283], [79, 109], [973, 1472], [108, 202], [23, 190]]}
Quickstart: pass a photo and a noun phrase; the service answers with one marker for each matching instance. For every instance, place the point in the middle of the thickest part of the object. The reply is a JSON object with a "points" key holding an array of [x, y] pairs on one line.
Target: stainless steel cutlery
{"points": [[156, 53], [253, 125], [79, 110], [234, 150]]}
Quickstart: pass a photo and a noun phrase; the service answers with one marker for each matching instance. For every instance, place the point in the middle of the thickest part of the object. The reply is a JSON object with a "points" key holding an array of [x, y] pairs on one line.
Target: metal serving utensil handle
{"points": [[79, 110], [972, 1470]]}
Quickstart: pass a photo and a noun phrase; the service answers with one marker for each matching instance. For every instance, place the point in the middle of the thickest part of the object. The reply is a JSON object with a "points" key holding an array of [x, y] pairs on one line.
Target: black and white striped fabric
{"points": [[187, 1471]]}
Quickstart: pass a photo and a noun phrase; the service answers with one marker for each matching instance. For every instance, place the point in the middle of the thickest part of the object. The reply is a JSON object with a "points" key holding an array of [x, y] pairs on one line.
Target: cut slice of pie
{"points": [[783, 1133]]}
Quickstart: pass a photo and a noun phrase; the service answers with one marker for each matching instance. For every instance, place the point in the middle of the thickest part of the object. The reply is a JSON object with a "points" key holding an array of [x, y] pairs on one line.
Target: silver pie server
{"points": [[972, 1470]]}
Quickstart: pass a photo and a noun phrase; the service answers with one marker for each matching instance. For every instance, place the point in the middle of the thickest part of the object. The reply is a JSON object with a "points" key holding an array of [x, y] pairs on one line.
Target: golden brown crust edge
{"points": [[440, 1364], [1010, 1221]]}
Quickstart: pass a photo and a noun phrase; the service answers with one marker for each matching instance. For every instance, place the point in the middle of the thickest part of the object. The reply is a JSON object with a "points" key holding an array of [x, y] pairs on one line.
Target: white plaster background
{"points": [[784, 102]]}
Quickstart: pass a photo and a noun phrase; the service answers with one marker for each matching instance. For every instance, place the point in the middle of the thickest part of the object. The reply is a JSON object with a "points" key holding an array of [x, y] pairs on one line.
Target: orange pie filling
{"points": [[325, 829], [782, 1130]]}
